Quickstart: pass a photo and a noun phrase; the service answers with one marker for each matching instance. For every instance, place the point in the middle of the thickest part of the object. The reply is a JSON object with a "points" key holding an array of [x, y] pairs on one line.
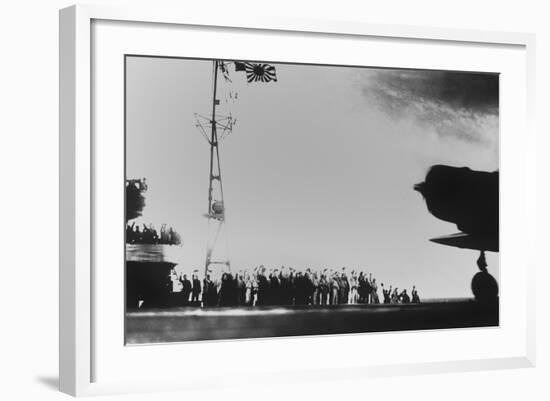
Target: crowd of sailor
{"points": [[285, 287], [148, 234]]}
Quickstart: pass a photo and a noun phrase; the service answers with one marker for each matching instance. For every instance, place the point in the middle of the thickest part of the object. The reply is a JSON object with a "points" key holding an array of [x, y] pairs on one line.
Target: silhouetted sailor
{"points": [[186, 289], [415, 297], [263, 288], [241, 289], [404, 297], [386, 293], [274, 288], [324, 290], [196, 290]]}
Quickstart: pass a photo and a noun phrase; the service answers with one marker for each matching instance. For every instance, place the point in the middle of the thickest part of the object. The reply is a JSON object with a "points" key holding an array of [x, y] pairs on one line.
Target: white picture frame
{"points": [[78, 317]]}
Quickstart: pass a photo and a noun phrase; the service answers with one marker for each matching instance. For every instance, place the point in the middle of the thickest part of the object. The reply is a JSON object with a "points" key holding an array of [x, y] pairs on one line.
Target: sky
{"points": [[319, 169]]}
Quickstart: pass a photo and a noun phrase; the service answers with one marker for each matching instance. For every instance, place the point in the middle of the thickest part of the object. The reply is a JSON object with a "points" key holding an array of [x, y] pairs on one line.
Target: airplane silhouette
{"points": [[468, 198]]}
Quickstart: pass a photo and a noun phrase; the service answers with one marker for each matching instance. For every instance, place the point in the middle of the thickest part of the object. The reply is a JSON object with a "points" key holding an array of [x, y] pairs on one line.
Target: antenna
{"points": [[214, 129]]}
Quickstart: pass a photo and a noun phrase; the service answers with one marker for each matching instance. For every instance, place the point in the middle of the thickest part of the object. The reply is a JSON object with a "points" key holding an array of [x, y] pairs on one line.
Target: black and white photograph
{"points": [[273, 199]]}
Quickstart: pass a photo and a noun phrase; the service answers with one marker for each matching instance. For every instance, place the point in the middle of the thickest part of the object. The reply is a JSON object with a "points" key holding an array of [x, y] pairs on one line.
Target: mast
{"points": [[208, 126], [216, 206], [213, 139]]}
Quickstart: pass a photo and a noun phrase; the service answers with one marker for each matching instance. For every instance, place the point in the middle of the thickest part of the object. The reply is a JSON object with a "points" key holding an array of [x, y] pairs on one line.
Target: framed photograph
{"points": [[244, 192]]}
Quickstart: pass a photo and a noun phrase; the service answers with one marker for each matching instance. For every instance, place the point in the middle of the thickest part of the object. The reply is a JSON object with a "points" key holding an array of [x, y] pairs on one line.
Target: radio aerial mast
{"points": [[214, 129]]}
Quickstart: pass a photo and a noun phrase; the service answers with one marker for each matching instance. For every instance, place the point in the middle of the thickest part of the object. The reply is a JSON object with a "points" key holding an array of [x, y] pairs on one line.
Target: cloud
{"points": [[454, 104]]}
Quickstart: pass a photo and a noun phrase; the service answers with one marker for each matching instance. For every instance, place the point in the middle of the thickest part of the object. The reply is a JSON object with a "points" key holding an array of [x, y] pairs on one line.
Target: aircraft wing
{"points": [[468, 241]]}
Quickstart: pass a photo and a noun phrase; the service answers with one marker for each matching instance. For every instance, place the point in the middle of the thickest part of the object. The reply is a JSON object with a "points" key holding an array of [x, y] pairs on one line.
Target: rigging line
{"points": [[220, 174], [208, 247], [226, 239], [217, 235], [202, 130]]}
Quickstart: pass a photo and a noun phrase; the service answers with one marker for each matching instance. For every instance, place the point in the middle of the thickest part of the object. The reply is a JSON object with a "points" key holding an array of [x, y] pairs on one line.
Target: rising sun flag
{"points": [[256, 72]]}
